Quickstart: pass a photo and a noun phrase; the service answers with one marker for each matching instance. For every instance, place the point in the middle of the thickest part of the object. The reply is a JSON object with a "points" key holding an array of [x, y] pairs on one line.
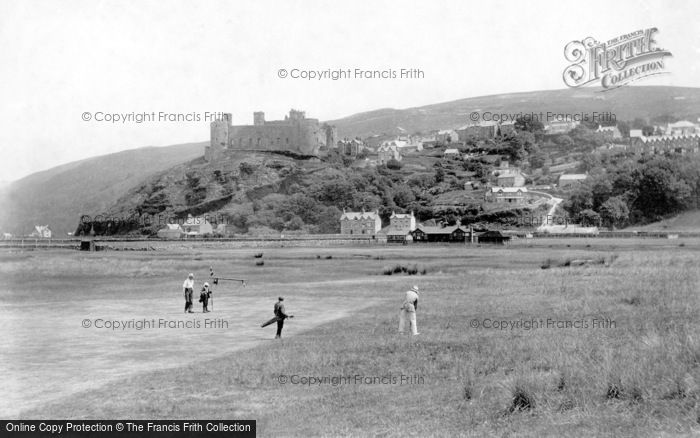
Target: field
{"points": [[604, 341]]}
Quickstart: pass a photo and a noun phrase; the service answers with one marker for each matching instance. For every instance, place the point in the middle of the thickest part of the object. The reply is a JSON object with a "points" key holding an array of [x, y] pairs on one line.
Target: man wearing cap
{"points": [[281, 316], [204, 298], [188, 287], [408, 310]]}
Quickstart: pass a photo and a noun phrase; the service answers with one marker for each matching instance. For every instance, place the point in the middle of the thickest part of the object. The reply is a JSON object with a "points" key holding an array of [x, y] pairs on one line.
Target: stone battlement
{"points": [[296, 133]]}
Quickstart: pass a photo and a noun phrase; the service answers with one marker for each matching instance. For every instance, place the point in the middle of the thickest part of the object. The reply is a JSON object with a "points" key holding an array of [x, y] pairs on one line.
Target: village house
{"points": [[171, 231], [662, 144], [352, 147], [636, 133], [508, 195], [571, 180], [609, 132], [483, 130], [682, 128], [426, 233], [506, 128], [400, 228], [492, 237], [451, 153], [41, 231], [197, 226], [387, 152], [446, 137], [559, 127], [509, 176], [367, 223]]}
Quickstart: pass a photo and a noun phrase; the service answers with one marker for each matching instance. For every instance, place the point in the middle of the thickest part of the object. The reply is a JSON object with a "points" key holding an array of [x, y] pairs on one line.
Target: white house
{"points": [[197, 226], [510, 195], [42, 231], [171, 231], [451, 153]]}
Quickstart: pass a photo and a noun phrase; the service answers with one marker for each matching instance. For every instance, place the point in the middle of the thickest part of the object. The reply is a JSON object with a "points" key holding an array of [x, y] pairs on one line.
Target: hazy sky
{"points": [[61, 59]]}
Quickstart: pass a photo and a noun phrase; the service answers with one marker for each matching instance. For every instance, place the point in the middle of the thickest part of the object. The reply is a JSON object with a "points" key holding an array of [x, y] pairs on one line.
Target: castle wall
{"points": [[302, 139], [296, 134]]}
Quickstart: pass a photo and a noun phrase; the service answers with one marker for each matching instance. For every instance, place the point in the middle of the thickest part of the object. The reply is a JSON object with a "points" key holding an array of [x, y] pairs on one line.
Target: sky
{"points": [[63, 60]]}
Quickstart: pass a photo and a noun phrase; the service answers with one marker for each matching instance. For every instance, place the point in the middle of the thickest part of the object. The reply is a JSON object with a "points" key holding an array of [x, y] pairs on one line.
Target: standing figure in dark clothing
{"points": [[281, 316], [204, 298]]}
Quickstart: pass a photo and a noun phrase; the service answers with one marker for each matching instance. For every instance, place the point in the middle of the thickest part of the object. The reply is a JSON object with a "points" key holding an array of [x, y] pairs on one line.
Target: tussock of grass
{"points": [[404, 269], [522, 400]]}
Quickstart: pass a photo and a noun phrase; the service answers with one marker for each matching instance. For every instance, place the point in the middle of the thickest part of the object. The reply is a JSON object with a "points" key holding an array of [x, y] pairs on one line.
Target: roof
{"points": [[397, 143], [392, 231], [401, 215], [682, 124], [636, 133], [508, 189], [492, 234], [667, 137], [439, 230], [510, 171], [173, 227], [357, 215], [451, 151], [573, 177]]}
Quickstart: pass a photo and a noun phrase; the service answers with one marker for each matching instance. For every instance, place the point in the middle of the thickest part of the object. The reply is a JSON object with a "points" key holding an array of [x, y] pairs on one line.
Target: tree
{"points": [[529, 124], [394, 164], [614, 211], [403, 195], [581, 199], [537, 157], [564, 141], [439, 173], [589, 218]]}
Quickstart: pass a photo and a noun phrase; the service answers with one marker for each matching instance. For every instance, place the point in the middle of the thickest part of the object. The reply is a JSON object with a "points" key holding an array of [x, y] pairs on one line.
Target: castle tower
{"points": [[219, 139], [331, 136], [258, 118]]}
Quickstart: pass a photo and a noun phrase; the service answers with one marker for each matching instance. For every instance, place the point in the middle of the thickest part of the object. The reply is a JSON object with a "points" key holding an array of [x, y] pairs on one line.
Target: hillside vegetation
{"points": [[59, 196]]}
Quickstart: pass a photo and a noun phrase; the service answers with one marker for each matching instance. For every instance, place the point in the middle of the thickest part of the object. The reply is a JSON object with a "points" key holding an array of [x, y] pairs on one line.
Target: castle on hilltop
{"points": [[296, 133]]}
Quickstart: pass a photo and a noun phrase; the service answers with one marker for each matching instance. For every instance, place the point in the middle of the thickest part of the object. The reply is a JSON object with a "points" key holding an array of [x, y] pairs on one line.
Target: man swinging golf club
{"points": [[408, 310]]}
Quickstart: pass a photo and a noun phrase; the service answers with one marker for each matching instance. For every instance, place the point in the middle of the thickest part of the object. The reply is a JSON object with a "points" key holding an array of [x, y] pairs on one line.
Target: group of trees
{"points": [[621, 190]]}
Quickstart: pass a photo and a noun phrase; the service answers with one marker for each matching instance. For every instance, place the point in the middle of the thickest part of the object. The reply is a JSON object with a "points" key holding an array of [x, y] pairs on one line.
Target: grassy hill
{"points": [[687, 221], [59, 196], [627, 103]]}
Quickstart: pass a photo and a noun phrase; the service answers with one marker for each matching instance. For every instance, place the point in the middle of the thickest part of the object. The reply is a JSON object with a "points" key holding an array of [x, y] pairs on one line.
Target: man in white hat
{"points": [[408, 310], [188, 287]]}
